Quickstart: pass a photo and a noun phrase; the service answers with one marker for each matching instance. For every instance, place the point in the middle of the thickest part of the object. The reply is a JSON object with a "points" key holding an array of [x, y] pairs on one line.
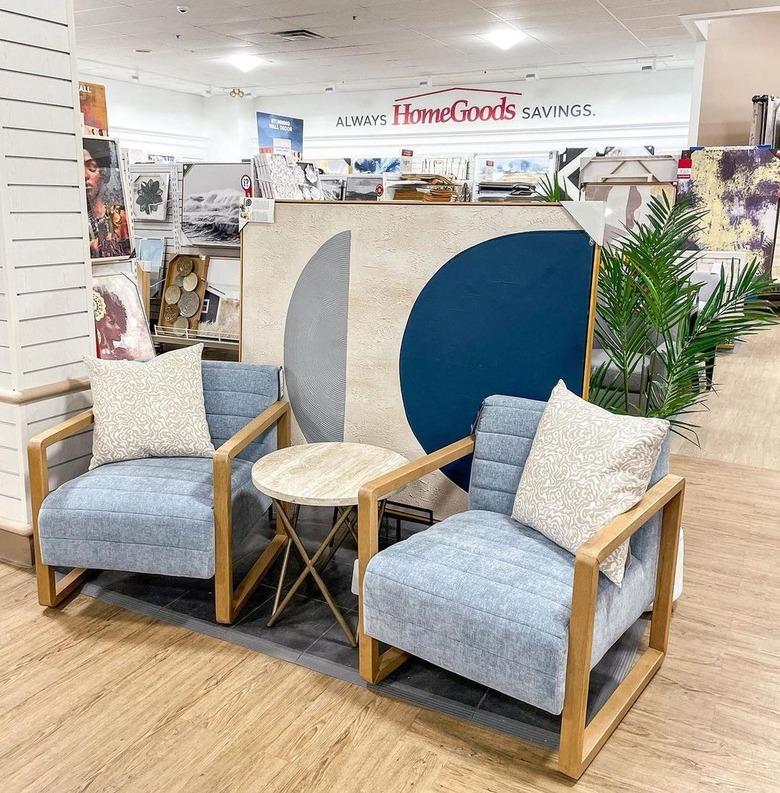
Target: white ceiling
{"points": [[378, 43]]}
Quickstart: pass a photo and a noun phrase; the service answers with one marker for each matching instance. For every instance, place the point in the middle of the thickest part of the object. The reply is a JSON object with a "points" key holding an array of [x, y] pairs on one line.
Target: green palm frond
{"points": [[550, 190], [652, 324]]}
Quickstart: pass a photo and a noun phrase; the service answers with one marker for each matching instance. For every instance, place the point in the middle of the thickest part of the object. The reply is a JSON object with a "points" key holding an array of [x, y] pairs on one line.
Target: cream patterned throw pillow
{"points": [[586, 466], [152, 409]]}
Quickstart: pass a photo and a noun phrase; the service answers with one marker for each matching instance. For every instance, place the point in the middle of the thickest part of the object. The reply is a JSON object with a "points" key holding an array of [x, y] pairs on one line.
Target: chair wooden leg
{"points": [[50, 592], [579, 744], [373, 665], [228, 601], [223, 542], [583, 612]]}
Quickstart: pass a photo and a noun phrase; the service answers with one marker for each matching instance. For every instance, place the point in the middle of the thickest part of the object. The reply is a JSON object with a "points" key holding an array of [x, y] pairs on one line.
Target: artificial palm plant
{"points": [[652, 321], [550, 190]]}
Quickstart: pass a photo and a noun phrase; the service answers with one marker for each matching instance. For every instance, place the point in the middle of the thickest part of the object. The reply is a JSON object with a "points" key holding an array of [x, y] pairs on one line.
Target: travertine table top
{"points": [[322, 474]]}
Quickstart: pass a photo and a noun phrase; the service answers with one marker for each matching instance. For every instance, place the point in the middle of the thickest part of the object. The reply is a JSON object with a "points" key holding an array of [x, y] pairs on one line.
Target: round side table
{"points": [[319, 475]]}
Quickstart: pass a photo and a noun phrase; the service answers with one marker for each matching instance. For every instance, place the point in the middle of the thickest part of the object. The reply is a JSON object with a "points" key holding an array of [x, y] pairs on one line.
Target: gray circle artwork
{"points": [[189, 304], [315, 342], [190, 282]]}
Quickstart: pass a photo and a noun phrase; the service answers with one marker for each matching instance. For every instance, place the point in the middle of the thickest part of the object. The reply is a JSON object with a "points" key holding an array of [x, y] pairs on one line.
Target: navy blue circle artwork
{"points": [[507, 316]]}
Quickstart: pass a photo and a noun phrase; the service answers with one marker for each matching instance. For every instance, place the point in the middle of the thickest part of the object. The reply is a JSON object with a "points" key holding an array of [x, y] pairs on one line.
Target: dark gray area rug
{"points": [[308, 634]]}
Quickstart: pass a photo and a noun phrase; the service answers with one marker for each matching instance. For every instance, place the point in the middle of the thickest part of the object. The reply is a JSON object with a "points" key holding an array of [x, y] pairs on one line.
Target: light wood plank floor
{"points": [[95, 698], [742, 423]]}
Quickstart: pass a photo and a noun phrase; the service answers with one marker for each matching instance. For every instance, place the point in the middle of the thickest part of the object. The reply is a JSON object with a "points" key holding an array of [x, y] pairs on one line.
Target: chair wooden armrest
{"points": [[579, 743], [50, 592], [229, 601], [373, 665]]}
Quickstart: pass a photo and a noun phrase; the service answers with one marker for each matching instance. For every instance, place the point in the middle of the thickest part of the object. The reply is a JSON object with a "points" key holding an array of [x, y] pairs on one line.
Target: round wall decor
{"points": [[190, 283], [170, 313], [172, 294], [189, 303]]}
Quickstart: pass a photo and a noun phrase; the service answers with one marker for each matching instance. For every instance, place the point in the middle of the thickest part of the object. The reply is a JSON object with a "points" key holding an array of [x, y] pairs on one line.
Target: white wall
{"points": [[156, 121], [638, 108]]}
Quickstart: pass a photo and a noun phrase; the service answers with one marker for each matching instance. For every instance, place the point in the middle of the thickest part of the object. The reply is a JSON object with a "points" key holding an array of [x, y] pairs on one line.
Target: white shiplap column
{"points": [[45, 323]]}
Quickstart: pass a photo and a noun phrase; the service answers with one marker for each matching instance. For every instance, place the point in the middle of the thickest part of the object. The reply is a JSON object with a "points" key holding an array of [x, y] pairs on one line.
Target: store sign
{"points": [[280, 134], [644, 106], [462, 105]]}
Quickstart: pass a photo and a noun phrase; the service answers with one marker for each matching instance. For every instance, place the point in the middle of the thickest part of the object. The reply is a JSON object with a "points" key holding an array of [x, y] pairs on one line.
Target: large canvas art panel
{"points": [[110, 229], [740, 187], [627, 204], [121, 327], [395, 321], [212, 194]]}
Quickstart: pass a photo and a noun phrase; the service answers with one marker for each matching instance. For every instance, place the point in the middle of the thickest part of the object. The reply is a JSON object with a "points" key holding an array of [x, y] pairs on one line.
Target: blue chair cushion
{"points": [[490, 599], [153, 515]]}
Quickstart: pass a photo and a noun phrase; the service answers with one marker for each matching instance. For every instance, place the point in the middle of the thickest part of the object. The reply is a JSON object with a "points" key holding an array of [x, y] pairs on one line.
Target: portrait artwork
{"points": [[110, 231], [121, 327]]}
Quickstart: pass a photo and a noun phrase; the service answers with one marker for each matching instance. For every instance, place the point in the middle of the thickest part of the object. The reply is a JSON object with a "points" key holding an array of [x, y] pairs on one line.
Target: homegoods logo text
{"points": [[468, 105], [408, 111]]}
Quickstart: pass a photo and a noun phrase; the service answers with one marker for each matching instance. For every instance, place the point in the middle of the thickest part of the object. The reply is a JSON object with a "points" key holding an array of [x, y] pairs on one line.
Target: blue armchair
{"points": [[497, 602], [170, 515]]}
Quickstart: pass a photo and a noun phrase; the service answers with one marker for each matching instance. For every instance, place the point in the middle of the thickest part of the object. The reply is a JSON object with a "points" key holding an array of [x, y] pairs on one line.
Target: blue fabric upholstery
{"points": [[489, 598], [155, 515], [234, 393], [505, 432]]}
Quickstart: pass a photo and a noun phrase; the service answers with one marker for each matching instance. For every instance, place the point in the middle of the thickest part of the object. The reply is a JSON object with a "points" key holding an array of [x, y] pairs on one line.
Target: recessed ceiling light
{"points": [[143, 51], [504, 38], [244, 61]]}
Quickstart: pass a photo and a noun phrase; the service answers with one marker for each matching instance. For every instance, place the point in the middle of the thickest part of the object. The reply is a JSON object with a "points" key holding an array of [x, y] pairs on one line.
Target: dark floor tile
{"points": [[197, 603], [509, 708], [338, 579], [156, 590], [300, 625], [432, 681], [334, 646]]}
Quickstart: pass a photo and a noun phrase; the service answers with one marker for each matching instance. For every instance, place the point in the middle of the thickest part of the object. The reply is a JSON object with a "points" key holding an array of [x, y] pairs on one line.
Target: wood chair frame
{"points": [[228, 600], [580, 742]]}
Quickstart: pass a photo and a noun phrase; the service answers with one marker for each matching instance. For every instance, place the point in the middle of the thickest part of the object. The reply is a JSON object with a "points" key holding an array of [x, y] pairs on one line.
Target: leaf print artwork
{"points": [[150, 196]]}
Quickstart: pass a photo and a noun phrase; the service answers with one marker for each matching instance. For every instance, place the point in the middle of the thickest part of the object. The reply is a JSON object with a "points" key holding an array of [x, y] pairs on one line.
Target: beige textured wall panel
{"points": [[395, 250], [740, 61]]}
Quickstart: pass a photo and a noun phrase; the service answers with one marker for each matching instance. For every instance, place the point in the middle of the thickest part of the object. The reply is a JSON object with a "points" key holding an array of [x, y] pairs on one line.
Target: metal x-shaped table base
{"points": [[346, 523]]}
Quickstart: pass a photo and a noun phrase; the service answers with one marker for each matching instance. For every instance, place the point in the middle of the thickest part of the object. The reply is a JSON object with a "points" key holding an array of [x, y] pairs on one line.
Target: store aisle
{"points": [[743, 422]]}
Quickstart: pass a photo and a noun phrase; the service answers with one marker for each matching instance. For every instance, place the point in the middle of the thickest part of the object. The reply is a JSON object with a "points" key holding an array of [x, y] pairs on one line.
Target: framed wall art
{"points": [[92, 103], [740, 186], [110, 224], [376, 165], [627, 204], [121, 326], [211, 201], [150, 196]]}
